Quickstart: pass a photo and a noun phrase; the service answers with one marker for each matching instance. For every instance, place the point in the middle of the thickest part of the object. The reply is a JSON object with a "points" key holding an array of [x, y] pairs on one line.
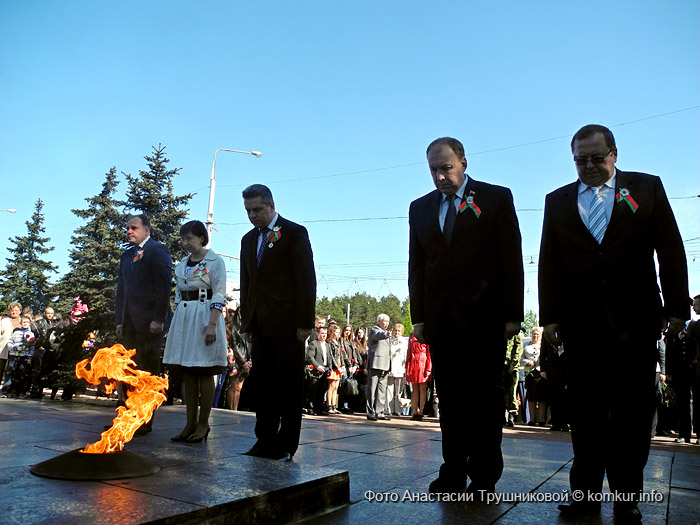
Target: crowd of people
{"points": [[379, 372], [31, 349]]}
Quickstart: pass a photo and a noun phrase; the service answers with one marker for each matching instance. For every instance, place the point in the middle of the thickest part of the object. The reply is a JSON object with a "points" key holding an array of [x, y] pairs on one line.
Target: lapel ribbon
{"points": [[624, 195]]}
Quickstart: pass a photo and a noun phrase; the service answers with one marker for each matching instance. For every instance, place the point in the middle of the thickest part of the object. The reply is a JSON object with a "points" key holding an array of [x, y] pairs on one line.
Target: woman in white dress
{"points": [[197, 336]]}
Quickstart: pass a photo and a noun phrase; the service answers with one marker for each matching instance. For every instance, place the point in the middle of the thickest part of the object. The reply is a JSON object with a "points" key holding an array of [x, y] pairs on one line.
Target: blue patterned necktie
{"points": [[597, 222], [264, 232]]}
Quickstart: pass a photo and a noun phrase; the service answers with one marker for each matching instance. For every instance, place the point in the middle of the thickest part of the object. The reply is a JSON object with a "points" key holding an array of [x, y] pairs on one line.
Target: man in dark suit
{"points": [[318, 355], [143, 298], [597, 270], [278, 295], [465, 279]]}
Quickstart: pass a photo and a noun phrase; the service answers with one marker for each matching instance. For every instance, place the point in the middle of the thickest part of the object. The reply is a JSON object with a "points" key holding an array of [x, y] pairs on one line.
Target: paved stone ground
{"points": [[398, 458]]}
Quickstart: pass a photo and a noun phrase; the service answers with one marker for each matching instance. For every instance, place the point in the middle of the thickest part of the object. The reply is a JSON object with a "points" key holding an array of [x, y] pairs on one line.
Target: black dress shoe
{"points": [[579, 510], [143, 430], [624, 513], [383, 418], [441, 486], [371, 418], [256, 450]]}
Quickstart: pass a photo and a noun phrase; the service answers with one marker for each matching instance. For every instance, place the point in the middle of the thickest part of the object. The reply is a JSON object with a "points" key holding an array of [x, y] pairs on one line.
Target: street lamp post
{"points": [[212, 187]]}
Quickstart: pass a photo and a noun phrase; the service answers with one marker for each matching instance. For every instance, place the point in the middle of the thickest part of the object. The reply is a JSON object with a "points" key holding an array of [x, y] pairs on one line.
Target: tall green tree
{"points": [[25, 278], [530, 320], [364, 309], [94, 258], [151, 193]]}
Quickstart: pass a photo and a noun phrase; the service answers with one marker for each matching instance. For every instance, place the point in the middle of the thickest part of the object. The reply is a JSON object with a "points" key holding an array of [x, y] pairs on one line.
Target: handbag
{"points": [[350, 387]]}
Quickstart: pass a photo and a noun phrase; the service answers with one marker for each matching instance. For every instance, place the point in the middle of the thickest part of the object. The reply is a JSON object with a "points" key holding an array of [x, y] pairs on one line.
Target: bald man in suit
{"points": [[466, 288]]}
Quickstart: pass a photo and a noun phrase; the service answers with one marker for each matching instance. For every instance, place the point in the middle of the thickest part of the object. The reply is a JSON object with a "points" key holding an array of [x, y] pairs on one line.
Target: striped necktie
{"points": [[597, 222], [264, 232]]}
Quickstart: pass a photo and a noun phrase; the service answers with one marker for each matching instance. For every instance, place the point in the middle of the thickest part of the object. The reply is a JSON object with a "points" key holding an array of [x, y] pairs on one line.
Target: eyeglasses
{"points": [[595, 159]]}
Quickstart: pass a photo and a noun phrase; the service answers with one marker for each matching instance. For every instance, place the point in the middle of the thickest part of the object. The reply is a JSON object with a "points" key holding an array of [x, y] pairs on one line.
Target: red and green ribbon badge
{"points": [[201, 269], [275, 235], [138, 256], [624, 195], [469, 203]]}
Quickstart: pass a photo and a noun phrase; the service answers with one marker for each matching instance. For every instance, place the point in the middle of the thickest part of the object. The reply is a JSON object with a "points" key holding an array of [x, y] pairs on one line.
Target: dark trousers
{"points": [[319, 387], [277, 379], [471, 407], [148, 348], [610, 410], [3, 365], [557, 397], [687, 388]]}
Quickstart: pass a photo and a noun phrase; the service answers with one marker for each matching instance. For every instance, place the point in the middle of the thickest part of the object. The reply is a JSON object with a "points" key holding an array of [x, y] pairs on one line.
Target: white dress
{"points": [[185, 343]]}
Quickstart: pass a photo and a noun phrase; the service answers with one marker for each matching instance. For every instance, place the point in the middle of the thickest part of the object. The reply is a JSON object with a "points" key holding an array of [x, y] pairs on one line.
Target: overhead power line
{"points": [[469, 154]]}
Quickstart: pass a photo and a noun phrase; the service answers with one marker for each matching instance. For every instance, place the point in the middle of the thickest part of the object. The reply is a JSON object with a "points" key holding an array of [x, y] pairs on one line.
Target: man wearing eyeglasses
{"points": [[597, 268]]}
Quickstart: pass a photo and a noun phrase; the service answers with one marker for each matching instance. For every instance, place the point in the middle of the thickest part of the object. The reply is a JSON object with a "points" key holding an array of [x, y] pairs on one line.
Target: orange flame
{"points": [[147, 393]]}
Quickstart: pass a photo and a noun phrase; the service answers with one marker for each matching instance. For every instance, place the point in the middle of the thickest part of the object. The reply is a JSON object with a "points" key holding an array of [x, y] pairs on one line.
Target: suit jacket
{"points": [[314, 354], [280, 294], [479, 275], [614, 284], [379, 351], [143, 289]]}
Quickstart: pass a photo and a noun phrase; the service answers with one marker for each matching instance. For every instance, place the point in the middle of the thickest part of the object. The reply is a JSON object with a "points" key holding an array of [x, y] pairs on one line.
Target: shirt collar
{"points": [[273, 221], [144, 241], [610, 183], [460, 191]]}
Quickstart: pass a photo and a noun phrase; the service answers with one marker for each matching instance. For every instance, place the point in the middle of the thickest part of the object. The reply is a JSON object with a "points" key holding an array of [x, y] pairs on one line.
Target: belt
{"points": [[196, 295]]}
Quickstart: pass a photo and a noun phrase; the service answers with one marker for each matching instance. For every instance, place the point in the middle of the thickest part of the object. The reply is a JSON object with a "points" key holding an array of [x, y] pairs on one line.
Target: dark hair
{"points": [[258, 190], [342, 334], [145, 221], [590, 130], [195, 228], [451, 143]]}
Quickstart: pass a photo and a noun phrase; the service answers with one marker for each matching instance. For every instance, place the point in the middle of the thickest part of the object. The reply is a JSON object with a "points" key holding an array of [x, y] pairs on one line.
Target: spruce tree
{"points": [[25, 278], [151, 193], [94, 258]]}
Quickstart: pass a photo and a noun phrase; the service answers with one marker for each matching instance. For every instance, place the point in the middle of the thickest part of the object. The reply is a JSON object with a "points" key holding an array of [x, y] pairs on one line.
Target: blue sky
{"points": [[342, 98]]}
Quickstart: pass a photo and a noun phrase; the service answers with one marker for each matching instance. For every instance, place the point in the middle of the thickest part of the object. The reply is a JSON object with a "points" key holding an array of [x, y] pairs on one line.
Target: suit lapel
{"points": [[618, 218], [268, 251], [434, 204], [250, 252], [132, 253], [572, 217]]}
